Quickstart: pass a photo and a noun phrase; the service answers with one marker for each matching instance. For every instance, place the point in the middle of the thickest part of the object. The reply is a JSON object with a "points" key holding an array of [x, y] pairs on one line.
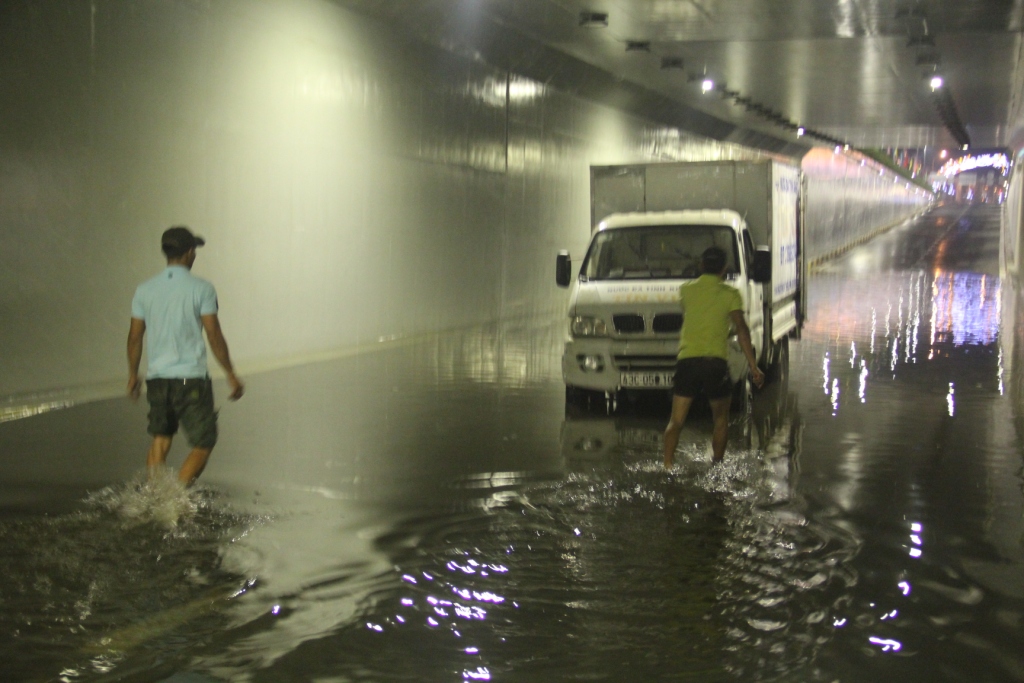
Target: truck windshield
{"points": [[656, 251]]}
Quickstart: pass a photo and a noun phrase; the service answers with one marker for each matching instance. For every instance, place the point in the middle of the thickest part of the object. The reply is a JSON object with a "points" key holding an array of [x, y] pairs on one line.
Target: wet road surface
{"points": [[432, 511]]}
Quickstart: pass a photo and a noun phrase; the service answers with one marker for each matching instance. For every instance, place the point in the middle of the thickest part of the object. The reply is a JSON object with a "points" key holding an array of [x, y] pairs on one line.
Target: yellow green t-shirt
{"points": [[707, 303]]}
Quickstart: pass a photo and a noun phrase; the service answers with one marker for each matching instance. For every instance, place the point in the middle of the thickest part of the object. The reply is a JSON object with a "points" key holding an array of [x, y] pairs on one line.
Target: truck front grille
{"points": [[628, 323], [668, 322], [644, 362]]}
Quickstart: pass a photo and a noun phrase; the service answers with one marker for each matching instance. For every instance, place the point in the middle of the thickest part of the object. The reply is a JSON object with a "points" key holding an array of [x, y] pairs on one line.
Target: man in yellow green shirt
{"points": [[710, 309]]}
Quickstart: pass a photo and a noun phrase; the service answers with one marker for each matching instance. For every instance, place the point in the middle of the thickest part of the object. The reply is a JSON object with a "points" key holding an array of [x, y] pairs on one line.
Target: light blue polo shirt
{"points": [[171, 304]]}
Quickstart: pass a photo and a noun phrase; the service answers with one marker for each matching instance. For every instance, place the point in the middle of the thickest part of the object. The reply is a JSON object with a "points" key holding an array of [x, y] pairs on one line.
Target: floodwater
{"points": [[433, 512]]}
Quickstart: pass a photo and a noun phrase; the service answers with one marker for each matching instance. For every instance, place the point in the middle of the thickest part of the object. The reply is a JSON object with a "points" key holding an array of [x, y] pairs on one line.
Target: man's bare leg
{"points": [[680, 409], [720, 435], [194, 465], [158, 453]]}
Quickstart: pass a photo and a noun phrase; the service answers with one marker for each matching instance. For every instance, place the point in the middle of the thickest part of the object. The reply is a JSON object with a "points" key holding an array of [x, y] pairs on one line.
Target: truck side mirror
{"points": [[762, 270], [563, 269]]}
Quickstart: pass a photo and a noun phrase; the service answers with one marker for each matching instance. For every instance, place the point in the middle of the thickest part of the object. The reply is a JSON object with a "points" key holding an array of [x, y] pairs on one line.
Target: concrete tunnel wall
{"points": [[1012, 292], [353, 184]]}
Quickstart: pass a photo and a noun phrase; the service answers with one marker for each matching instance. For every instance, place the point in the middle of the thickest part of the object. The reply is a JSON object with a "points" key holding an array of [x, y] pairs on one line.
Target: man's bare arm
{"points": [[743, 335], [219, 346], [136, 331]]}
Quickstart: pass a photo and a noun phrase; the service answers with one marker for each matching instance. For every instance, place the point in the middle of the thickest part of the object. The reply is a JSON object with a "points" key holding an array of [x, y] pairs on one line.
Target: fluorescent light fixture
{"points": [[936, 82], [707, 85], [800, 131]]}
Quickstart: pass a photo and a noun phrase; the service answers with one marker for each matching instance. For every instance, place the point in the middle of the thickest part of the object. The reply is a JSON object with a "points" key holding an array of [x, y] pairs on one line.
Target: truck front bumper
{"points": [[603, 364], [608, 365]]}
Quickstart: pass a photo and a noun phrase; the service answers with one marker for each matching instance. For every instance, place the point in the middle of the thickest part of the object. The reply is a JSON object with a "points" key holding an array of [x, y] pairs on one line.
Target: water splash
{"points": [[160, 499]]}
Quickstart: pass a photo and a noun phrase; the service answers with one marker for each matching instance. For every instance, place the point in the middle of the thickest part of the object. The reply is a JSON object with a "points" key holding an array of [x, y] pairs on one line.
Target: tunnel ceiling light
{"points": [[590, 19], [638, 46], [760, 109], [671, 62], [936, 82]]}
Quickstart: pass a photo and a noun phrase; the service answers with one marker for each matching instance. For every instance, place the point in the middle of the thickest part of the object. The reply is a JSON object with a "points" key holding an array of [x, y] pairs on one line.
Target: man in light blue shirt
{"points": [[174, 308]]}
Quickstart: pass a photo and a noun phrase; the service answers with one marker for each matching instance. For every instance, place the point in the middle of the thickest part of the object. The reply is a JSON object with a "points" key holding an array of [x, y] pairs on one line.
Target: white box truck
{"points": [[651, 222]]}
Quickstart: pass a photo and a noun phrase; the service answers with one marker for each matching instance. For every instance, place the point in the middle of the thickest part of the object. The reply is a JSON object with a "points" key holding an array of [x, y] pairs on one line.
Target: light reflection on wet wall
{"points": [[353, 186], [851, 198]]}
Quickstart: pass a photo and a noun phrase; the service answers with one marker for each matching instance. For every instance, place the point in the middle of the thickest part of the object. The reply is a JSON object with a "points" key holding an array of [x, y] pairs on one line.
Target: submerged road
{"points": [[432, 512]]}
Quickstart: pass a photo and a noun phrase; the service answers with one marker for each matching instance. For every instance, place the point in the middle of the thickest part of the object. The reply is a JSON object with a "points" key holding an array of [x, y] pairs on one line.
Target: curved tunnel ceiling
{"points": [[853, 70]]}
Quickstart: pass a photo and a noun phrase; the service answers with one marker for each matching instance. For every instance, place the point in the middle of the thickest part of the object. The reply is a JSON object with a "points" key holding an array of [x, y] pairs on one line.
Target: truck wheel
{"points": [[580, 401], [778, 370], [743, 397], [611, 402]]}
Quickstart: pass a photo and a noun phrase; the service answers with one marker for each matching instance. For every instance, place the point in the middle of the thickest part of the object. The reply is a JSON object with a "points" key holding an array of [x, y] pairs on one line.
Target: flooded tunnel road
{"points": [[431, 512]]}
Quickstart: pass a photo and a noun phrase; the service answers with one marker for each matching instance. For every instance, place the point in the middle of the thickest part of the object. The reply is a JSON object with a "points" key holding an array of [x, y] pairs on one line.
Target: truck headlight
{"points": [[588, 326]]}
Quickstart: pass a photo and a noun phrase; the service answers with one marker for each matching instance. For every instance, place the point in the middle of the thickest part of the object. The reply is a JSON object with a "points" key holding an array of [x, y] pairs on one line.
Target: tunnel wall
{"points": [[851, 199], [354, 187], [1012, 291]]}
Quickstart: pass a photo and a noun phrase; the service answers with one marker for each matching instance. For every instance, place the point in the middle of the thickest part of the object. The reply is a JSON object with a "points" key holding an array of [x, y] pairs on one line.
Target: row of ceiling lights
{"points": [[709, 85], [918, 36]]}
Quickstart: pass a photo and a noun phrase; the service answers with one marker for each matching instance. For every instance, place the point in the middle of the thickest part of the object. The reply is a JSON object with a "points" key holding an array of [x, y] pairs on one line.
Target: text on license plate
{"points": [[650, 380]]}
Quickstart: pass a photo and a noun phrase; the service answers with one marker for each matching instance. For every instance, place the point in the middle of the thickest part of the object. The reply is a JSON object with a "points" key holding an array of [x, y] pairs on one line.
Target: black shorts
{"points": [[188, 401], [705, 375]]}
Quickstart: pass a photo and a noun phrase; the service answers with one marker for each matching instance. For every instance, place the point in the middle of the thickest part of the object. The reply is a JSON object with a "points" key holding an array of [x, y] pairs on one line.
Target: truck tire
{"points": [[743, 397], [778, 369], [579, 401]]}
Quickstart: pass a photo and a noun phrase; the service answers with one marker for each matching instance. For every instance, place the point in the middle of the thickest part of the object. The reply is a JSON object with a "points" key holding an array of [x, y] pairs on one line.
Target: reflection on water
{"points": [[879, 328], [965, 309], [614, 570], [431, 512], [924, 465]]}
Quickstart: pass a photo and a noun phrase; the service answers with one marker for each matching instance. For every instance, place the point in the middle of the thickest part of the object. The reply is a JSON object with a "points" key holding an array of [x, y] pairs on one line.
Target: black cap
{"points": [[180, 239]]}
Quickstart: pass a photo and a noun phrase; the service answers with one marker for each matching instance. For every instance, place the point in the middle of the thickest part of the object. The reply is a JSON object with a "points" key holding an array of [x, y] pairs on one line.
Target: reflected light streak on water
{"points": [[887, 644], [825, 382], [863, 388], [874, 328]]}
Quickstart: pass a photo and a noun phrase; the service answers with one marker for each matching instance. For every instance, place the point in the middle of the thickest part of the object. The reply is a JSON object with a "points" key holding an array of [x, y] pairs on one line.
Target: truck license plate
{"points": [[648, 380]]}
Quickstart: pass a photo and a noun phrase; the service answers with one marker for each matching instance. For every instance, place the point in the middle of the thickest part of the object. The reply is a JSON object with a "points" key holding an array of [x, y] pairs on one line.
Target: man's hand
{"points": [[237, 388], [134, 387], [757, 376]]}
